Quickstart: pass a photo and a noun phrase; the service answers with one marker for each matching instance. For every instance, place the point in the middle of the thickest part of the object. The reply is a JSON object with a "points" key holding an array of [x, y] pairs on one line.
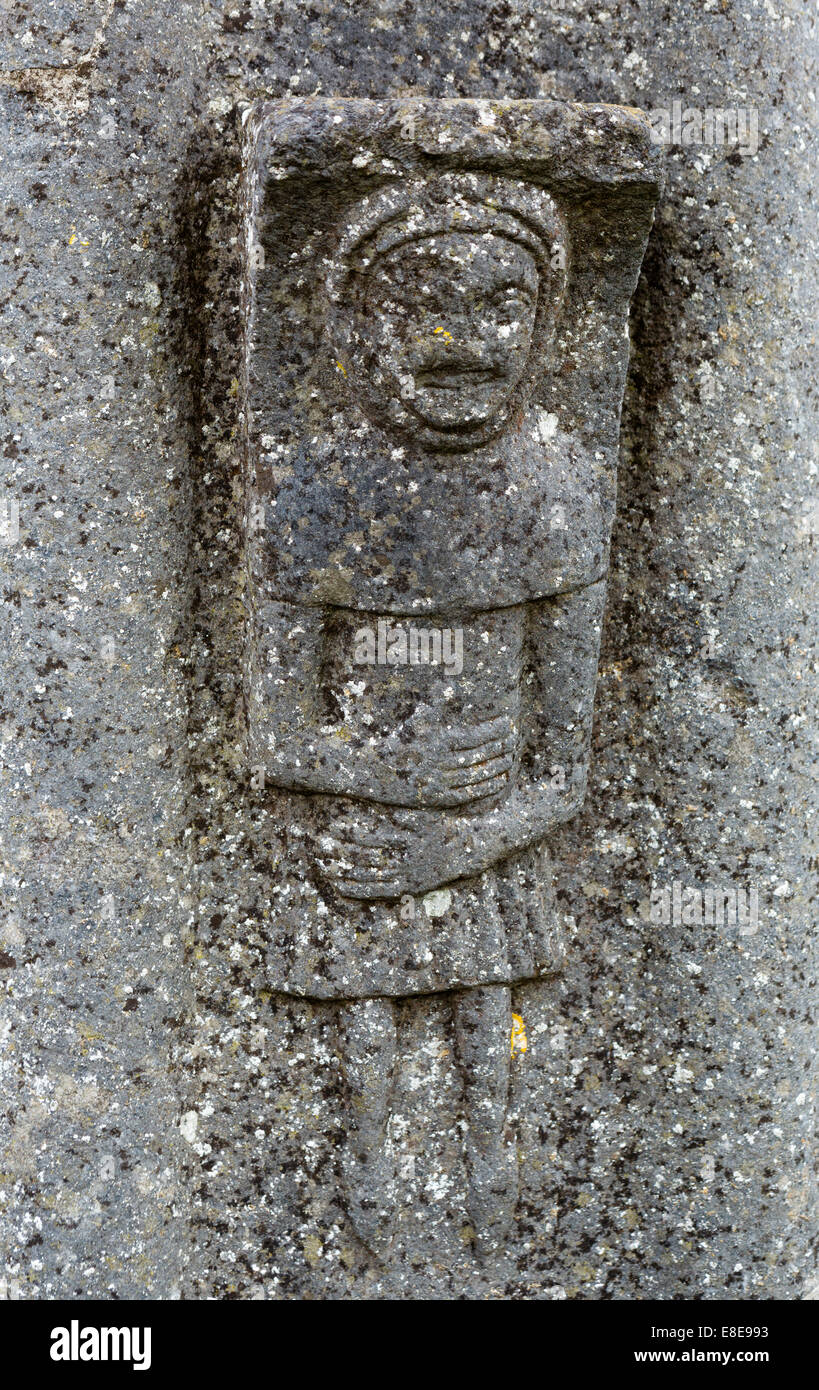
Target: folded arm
{"points": [[302, 739], [374, 852]]}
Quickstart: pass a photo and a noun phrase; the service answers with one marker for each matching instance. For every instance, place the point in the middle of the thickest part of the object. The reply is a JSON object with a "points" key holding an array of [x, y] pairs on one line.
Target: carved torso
{"points": [[363, 525]]}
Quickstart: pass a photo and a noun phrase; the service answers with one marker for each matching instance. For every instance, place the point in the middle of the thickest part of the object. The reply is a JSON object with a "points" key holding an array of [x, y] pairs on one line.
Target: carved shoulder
{"points": [[396, 532]]}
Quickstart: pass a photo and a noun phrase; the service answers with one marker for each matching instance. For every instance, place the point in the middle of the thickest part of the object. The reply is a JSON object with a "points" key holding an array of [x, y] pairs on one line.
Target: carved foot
{"points": [[482, 1029], [367, 1037]]}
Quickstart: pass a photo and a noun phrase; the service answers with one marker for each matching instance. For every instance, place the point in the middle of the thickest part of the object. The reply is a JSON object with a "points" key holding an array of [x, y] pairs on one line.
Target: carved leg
{"points": [[367, 1037], [482, 1028]]}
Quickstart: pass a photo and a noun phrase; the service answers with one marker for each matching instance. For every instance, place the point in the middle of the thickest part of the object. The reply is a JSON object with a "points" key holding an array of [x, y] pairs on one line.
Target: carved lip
{"points": [[449, 378]]}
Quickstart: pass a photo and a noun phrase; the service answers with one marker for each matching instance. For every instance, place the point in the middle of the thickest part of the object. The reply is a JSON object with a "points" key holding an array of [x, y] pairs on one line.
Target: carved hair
{"points": [[464, 202]]}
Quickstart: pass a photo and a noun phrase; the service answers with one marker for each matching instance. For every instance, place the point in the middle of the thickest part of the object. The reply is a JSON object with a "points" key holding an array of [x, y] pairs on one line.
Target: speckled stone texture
{"points": [[174, 1129]]}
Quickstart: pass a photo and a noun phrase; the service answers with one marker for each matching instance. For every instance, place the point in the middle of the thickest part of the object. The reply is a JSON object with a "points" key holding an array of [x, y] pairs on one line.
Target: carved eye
{"points": [[511, 302]]}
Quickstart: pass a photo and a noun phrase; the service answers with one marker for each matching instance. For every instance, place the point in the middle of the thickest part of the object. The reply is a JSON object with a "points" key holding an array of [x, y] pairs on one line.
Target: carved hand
{"points": [[457, 765], [375, 852]]}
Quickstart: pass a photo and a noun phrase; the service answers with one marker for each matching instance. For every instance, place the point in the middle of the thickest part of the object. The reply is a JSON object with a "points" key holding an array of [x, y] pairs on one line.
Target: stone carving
{"points": [[437, 300]]}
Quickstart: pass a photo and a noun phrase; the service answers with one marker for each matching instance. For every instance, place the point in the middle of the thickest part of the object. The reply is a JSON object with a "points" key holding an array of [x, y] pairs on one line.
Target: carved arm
{"points": [[375, 853]]}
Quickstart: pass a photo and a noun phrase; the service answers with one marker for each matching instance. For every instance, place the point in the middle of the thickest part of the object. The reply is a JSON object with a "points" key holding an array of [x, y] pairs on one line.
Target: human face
{"points": [[449, 320]]}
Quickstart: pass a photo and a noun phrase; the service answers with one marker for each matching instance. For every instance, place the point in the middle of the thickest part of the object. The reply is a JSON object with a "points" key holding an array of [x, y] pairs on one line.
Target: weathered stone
{"points": [[662, 1111], [431, 460]]}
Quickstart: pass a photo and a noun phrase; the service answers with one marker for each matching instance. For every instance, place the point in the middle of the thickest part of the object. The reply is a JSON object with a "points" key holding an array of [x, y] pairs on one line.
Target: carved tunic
{"points": [[396, 530], [516, 568]]}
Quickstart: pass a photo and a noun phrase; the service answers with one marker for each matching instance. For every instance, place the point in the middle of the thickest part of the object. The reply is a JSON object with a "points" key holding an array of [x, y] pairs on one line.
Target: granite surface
{"points": [[172, 1126]]}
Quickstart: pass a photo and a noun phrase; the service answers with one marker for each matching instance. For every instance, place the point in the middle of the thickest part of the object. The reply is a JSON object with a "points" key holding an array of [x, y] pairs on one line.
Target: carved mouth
{"points": [[452, 378]]}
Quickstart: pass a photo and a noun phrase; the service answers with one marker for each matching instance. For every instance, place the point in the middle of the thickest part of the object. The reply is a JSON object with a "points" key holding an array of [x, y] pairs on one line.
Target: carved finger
{"points": [[384, 836], [366, 888], [365, 856], [460, 795], [334, 868], [403, 818], [494, 749], [371, 873], [481, 772], [481, 734]]}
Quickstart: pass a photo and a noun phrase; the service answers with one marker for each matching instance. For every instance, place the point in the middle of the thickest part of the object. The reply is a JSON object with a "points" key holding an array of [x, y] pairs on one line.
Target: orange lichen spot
{"points": [[517, 1040]]}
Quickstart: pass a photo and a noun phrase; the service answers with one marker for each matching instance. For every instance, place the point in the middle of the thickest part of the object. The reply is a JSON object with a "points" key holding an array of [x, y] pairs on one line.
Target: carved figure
{"points": [[436, 511]]}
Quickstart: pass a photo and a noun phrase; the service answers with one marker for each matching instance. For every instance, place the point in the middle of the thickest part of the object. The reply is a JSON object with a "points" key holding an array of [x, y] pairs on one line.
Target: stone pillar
{"points": [[177, 1127]]}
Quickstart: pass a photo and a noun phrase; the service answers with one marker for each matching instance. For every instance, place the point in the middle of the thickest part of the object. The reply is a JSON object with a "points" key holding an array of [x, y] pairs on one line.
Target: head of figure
{"points": [[444, 294]]}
